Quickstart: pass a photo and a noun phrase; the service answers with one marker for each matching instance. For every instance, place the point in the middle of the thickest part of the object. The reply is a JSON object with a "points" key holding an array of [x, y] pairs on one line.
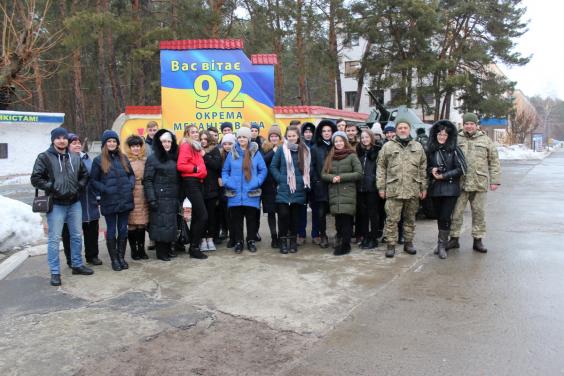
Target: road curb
{"points": [[11, 263]]}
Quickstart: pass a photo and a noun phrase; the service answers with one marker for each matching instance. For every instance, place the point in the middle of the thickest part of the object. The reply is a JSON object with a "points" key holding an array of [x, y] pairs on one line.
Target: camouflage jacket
{"points": [[402, 170], [482, 160]]}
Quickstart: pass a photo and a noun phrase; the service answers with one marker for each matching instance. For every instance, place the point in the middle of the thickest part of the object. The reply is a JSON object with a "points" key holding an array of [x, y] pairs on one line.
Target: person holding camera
{"points": [[445, 166]]}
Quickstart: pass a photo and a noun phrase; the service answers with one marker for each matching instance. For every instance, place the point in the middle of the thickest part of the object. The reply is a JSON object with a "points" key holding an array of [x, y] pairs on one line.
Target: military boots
{"points": [[479, 246]]}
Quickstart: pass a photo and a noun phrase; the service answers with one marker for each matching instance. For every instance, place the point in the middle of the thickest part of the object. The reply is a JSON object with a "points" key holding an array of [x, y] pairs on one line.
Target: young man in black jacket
{"points": [[62, 175]]}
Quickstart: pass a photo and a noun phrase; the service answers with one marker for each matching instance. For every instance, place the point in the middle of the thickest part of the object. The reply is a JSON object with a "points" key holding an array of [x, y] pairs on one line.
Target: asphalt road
{"points": [[313, 313], [500, 313]]}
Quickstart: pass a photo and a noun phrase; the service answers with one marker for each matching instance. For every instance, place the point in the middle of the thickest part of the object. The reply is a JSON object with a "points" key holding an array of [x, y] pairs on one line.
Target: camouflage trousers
{"points": [[394, 209], [478, 208]]}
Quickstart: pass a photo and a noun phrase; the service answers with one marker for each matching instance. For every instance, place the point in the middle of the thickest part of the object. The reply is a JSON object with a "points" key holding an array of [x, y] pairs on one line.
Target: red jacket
{"points": [[190, 163]]}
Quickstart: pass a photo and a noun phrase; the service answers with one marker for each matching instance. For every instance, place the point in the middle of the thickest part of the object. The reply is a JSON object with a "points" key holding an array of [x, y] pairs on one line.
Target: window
{"points": [[350, 97], [351, 68], [3, 151], [379, 94]]}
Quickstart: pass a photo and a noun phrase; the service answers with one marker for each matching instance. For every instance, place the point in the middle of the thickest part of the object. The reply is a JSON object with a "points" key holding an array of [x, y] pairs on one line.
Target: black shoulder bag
{"points": [[42, 204]]}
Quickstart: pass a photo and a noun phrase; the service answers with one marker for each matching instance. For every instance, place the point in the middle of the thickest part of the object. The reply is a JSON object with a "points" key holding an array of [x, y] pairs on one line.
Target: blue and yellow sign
{"points": [[207, 87]]}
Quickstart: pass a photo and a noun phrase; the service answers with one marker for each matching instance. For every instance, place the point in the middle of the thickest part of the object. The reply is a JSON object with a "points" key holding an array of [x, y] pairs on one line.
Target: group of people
{"points": [[370, 180]]}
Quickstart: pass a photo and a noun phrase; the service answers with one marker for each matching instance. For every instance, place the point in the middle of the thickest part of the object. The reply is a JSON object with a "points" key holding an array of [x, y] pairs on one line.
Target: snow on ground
{"points": [[520, 151], [19, 226], [15, 180]]}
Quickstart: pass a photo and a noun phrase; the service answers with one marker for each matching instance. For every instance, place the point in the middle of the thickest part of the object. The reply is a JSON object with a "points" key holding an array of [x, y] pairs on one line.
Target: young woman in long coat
{"points": [[134, 148], [161, 184], [113, 177], [341, 171], [290, 169]]}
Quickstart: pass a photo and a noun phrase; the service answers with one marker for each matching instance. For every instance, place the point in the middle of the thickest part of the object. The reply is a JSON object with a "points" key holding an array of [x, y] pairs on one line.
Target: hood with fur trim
{"points": [[317, 137], [236, 150], [159, 150], [451, 130]]}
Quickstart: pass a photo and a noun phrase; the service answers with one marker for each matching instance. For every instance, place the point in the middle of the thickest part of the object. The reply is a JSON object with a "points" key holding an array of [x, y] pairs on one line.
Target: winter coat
{"points": [[318, 153], [402, 170], [63, 176], [268, 196], [342, 196], [89, 196], [238, 190], [368, 160], [115, 187], [279, 172], [482, 160], [190, 162], [161, 183], [443, 157], [212, 160], [140, 213]]}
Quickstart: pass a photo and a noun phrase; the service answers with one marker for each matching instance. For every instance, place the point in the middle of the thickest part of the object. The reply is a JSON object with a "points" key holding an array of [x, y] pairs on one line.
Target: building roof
{"points": [[264, 59], [202, 44], [319, 110], [279, 110]]}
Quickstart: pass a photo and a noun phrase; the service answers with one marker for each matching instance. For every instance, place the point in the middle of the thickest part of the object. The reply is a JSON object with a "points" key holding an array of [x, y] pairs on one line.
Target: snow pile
{"points": [[520, 151], [19, 225], [16, 180]]}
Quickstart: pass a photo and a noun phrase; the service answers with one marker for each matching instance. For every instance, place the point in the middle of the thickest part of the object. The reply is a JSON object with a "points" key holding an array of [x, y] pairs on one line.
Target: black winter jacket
{"points": [[319, 151], [212, 160], [268, 195], [161, 182], [115, 187], [368, 159], [63, 176], [451, 170]]}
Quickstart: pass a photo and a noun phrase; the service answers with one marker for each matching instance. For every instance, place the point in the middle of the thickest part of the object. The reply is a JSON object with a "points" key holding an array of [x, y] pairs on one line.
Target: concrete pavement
{"points": [[312, 313]]}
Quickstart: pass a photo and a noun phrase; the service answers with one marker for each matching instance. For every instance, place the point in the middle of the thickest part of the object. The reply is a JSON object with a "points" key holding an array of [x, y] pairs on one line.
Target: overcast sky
{"points": [[544, 75]]}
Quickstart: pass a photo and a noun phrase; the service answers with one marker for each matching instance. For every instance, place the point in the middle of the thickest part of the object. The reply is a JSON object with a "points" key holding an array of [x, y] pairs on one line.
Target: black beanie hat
{"points": [[108, 133], [226, 124], [58, 132]]}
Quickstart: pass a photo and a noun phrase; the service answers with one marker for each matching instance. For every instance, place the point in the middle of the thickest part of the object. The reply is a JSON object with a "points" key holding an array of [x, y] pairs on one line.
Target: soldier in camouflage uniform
{"points": [[401, 179], [483, 172]]}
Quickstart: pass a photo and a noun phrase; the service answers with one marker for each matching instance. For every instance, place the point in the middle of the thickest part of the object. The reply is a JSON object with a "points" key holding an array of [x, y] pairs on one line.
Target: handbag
{"points": [[42, 204], [184, 232]]}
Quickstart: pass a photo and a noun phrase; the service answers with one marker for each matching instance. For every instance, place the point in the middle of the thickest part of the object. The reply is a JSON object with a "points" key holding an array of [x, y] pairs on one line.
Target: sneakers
{"points": [[251, 246], [316, 240], [301, 240], [238, 247], [82, 270], [55, 280], [204, 245], [210, 244]]}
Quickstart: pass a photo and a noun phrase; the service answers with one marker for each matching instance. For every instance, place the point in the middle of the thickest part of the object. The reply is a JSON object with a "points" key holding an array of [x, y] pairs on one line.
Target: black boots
{"points": [[478, 246], [112, 250], [195, 252], [141, 244], [82, 270], [275, 243], [55, 280], [390, 250], [441, 244], [162, 251], [342, 248], [409, 248], [452, 243], [251, 246], [121, 245], [293, 248], [283, 241], [132, 238], [369, 242]]}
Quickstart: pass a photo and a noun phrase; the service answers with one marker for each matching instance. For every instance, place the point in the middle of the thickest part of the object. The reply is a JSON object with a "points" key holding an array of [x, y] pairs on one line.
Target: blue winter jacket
{"points": [[238, 190], [115, 187], [279, 172], [88, 201]]}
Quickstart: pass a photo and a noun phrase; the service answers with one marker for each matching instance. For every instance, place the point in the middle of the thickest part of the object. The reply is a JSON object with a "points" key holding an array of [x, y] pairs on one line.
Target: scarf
{"points": [[287, 149], [342, 154]]}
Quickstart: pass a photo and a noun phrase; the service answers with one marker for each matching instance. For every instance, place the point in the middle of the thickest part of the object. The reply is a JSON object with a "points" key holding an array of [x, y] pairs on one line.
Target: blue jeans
{"points": [[61, 214], [116, 221]]}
